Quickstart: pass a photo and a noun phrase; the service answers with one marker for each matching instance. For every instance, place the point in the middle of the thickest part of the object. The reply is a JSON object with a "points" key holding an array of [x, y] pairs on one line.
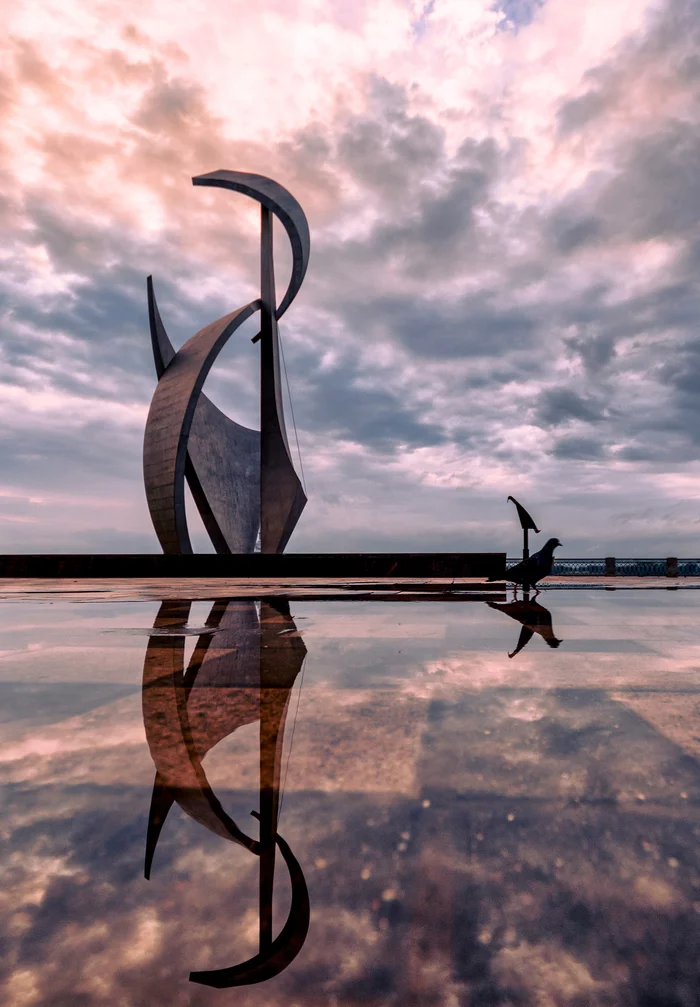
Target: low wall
{"points": [[260, 565]]}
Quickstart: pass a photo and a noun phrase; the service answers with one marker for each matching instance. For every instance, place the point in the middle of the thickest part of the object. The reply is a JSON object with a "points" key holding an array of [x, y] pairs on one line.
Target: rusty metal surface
{"points": [[169, 423], [225, 460]]}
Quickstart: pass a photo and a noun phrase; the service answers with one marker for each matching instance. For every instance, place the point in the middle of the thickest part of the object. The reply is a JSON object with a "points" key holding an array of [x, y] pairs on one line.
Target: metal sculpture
{"points": [[242, 670], [243, 481], [526, 523]]}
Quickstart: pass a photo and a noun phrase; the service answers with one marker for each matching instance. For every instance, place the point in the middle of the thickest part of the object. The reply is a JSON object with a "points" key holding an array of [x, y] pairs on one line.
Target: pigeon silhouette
{"points": [[531, 570], [533, 617]]}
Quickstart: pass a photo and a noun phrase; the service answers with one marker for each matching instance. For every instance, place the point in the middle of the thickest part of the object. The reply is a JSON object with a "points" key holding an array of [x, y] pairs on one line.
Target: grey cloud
{"points": [[595, 350], [652, 189], [168, 104], [426, 200], [104, 313], [668, 49], [376, 417], [447, 215], [560, 405], [662, 308], [657, 192], [69, 459], [474, 325], [571, 231], [578, 112], [437, 225], [390, 150], [578, 448], [658, 447], [683, 371], [520, 13]]}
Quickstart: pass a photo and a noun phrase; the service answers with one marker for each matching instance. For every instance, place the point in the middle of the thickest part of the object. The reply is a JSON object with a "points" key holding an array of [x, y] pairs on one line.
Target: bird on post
{"points": [[531, 570]]}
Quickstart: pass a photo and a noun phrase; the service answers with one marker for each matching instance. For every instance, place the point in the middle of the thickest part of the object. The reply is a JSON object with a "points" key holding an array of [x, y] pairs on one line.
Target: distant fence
{"points": [[613, 566]]}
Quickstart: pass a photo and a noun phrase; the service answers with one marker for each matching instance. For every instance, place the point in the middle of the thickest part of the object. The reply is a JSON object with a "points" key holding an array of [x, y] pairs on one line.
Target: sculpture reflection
{"points": [[243, 668], [533, 617]]}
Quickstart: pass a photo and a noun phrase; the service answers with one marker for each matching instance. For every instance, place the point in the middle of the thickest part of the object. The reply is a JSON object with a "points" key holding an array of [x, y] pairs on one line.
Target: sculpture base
{"points": [[259, 565]]}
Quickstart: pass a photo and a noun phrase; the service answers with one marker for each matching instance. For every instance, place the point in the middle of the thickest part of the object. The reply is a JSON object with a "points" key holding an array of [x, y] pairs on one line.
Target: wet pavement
{"points": [[439, 823]]}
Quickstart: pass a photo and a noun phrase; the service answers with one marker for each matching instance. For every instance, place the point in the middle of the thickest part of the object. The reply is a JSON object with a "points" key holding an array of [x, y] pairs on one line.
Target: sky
{"points": [[502, 295]]}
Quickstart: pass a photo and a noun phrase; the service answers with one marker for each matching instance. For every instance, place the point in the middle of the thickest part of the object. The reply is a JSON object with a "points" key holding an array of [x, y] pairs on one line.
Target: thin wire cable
{"points": [[291, 739], [291, 407]]}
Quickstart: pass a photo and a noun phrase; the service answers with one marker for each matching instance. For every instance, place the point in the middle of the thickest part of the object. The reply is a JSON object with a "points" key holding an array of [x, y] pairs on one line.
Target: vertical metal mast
{"points": [[281, 496], [269, 378]]}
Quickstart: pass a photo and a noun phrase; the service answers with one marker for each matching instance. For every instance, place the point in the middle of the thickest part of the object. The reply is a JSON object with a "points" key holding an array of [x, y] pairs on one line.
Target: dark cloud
{"points": [[665, 55], [570, 231], [560, 405], [471, 326], [426, 202], [389, 152], [578, 448], [595, 350], [656, 192], [95, 332], [575, 113], [171, 106], [379, 418], [519, 13], [72, 455]]}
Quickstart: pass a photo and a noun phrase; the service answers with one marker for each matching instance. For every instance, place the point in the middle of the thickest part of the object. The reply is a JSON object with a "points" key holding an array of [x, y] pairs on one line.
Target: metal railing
{"points": [[579, 568], [613, 566]]}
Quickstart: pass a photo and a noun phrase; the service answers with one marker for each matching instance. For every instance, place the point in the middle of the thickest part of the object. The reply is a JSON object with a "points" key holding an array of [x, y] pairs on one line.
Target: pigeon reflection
{"points": [[533, 617], [242, 670]]}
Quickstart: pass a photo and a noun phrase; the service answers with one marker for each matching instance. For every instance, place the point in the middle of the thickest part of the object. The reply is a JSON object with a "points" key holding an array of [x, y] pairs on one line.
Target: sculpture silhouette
{"points": [[243, 481], [242, 670]]}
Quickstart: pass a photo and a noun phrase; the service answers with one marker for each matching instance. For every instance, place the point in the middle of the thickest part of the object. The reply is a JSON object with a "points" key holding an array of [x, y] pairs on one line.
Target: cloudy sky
{"points": [[502, 294]]}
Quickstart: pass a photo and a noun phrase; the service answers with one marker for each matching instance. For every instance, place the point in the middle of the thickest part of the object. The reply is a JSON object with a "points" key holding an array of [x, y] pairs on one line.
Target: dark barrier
{"points": [[259, 565]]}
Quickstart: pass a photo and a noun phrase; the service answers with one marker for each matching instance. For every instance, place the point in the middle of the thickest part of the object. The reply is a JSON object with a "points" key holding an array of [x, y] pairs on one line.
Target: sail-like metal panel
{"points": [[169, 424]]}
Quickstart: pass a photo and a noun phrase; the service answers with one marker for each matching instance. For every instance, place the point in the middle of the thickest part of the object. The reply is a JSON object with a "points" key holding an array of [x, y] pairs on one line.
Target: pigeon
{"points": [[529, 571], [533, 617]]}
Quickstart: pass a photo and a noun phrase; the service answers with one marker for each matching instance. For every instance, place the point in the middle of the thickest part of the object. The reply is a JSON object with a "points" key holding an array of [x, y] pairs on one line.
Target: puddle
{"points": [[463, 803]]}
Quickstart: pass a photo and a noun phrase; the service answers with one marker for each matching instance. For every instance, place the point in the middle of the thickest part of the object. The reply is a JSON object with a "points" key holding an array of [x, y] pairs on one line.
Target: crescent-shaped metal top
{"points": [[270, 961], [280, 202]]}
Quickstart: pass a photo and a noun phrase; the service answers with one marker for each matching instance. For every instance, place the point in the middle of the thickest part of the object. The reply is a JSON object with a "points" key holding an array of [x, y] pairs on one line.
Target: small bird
{"points": [[529, 571]]}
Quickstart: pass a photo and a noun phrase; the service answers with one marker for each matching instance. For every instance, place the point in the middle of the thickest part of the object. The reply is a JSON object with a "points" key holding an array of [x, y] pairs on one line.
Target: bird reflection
{"points": [[242, 670], [533, 617]]}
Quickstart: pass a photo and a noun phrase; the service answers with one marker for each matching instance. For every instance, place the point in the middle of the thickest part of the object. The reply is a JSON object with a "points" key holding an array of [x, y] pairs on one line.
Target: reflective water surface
{"points": [[347, 803]]}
